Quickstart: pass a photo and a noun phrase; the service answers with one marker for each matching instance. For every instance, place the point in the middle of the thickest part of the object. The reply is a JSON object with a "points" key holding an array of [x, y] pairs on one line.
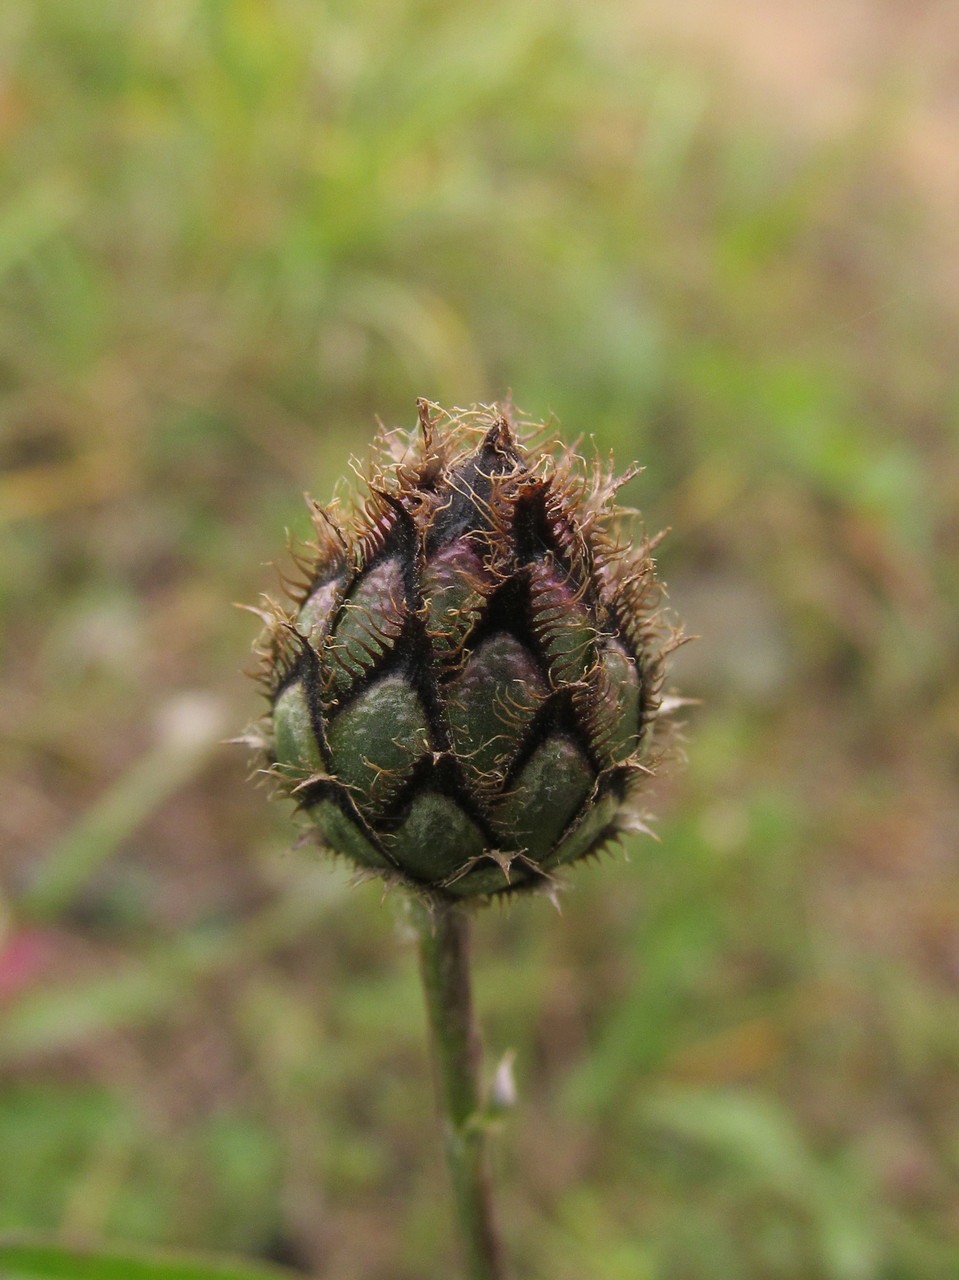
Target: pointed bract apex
{"points": [[426, 424], [500, 436]]}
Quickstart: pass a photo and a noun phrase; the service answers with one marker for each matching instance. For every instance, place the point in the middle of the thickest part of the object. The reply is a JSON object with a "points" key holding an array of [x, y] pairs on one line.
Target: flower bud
{"points": [[463, 695]]}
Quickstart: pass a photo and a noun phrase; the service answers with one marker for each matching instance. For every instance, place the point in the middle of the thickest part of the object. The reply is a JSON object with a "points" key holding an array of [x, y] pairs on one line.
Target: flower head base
{"points": [[463, 695]]}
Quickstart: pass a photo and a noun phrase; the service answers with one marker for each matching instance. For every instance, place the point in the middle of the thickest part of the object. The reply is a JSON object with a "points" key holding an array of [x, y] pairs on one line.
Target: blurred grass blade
{"points": [[58, 1017], [30, 1259], [49, 1020], [422, 327], [753, 1131], [30, 218], [759, 1136], [189, 728]]}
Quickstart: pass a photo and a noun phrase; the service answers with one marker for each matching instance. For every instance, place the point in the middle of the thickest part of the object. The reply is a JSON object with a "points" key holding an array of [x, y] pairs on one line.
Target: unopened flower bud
{"points": [[463, 695]]}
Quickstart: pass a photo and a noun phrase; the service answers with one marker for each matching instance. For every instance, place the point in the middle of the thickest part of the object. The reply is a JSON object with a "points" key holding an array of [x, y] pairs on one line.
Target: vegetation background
{"points": [[722, 241]]}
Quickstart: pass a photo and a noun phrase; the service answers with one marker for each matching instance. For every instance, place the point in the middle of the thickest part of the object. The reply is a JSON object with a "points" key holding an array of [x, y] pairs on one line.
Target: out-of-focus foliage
{"points": [[230, 233], [31, 1259]]}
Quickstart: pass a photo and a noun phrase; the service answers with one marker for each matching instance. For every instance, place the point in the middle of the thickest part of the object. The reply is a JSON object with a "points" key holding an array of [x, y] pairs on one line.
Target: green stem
{"points": [[444, 965]]}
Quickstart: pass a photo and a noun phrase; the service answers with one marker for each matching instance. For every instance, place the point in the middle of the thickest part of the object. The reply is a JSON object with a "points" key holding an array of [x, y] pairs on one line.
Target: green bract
{"points": [[462, 696]]}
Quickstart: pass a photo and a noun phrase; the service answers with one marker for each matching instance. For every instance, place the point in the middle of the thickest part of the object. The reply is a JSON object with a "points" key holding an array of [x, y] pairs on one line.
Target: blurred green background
{"points": [[719, 241]]}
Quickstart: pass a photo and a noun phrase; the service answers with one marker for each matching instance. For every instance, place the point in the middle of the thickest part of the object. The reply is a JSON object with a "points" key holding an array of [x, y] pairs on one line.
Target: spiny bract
{"points": [[463, 695]]}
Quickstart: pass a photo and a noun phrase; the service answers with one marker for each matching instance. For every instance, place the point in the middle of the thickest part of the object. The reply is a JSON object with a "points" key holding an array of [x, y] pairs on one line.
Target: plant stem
{"points": [[444, 965]]}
